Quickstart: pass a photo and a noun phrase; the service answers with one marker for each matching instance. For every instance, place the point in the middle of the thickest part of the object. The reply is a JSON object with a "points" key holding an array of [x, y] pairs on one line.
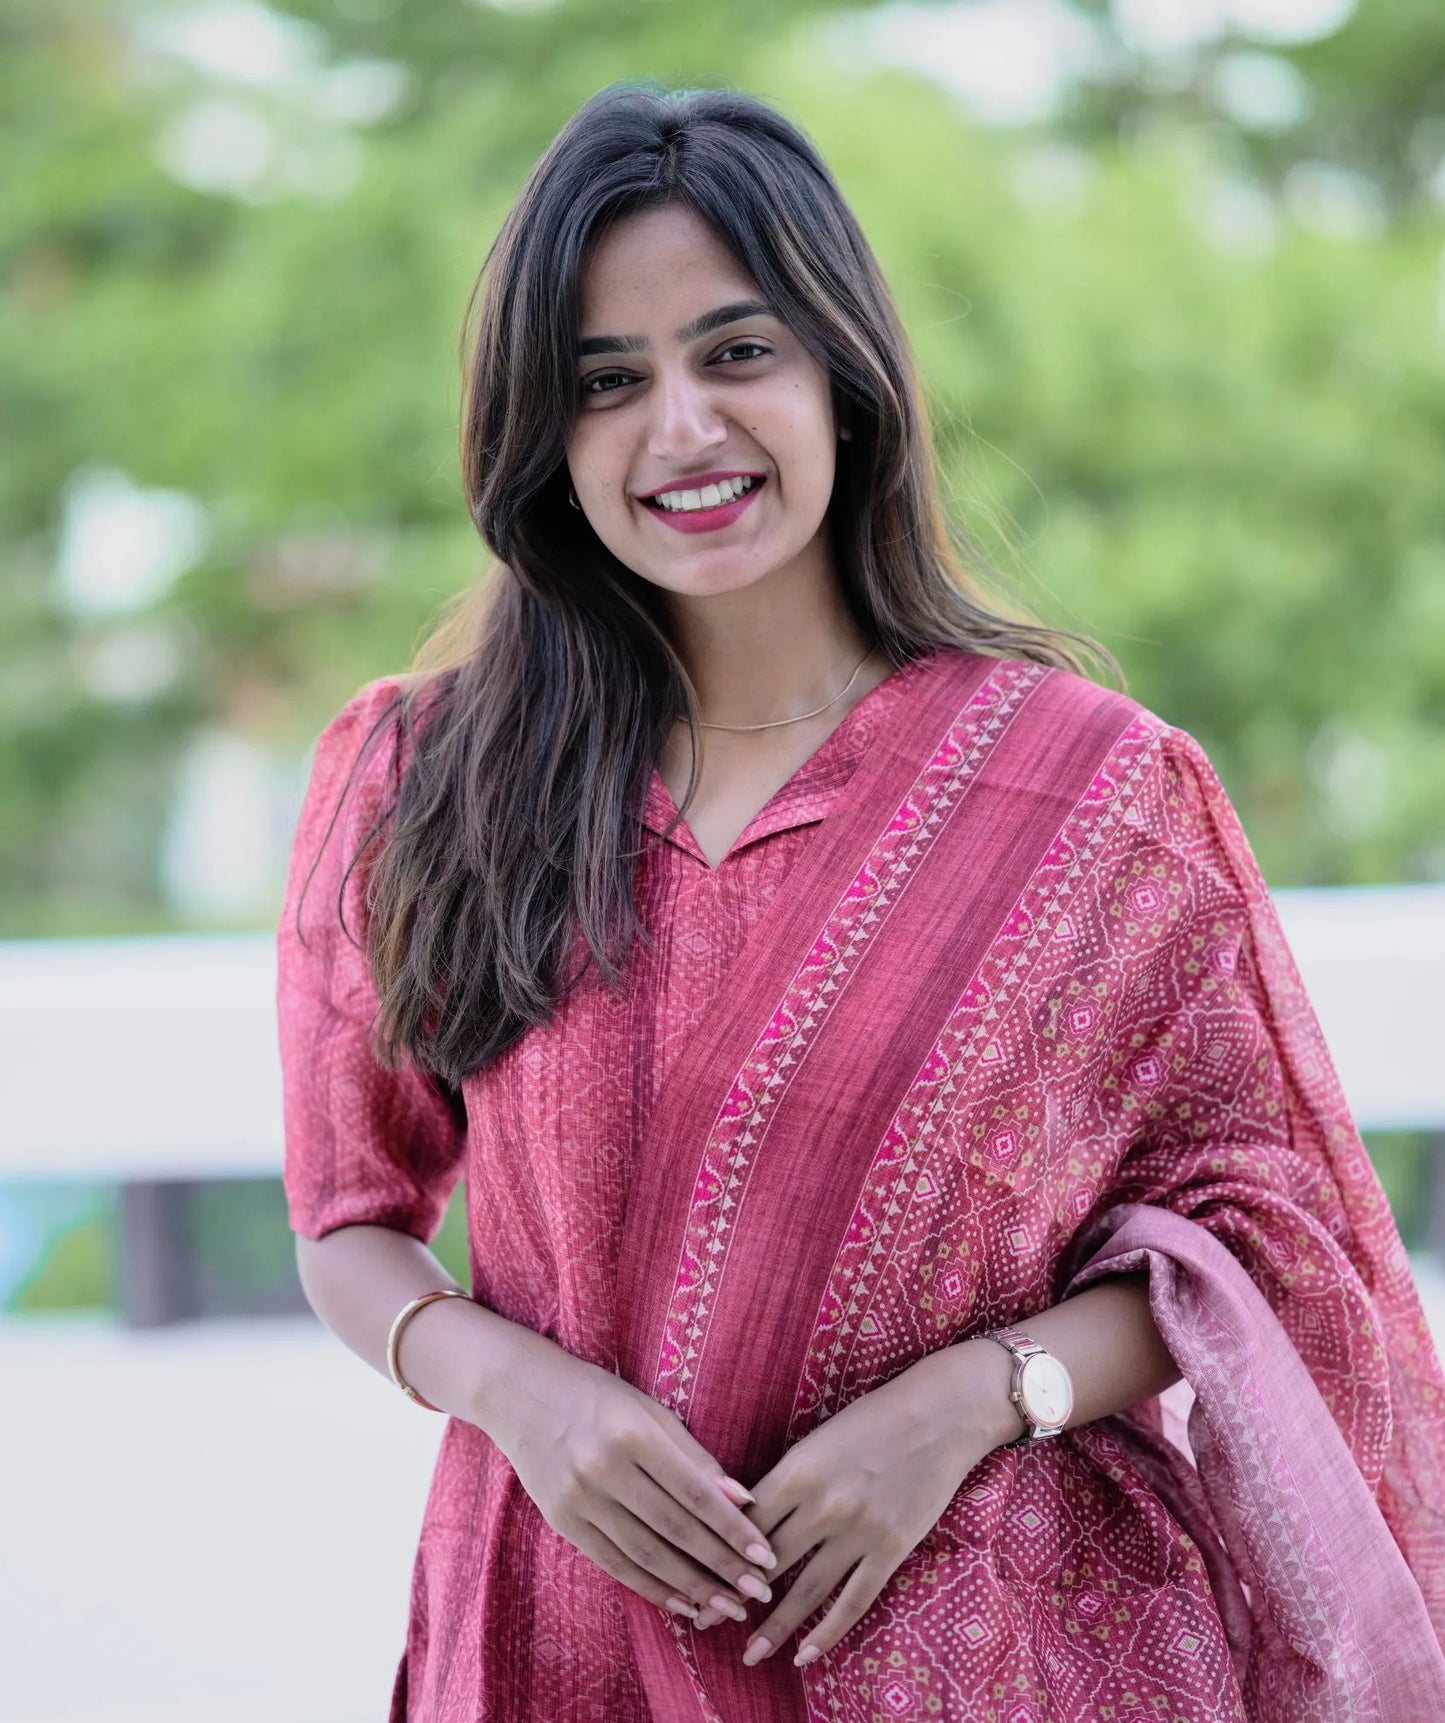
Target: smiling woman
{"points": [[872, 1096], [731, 394]]}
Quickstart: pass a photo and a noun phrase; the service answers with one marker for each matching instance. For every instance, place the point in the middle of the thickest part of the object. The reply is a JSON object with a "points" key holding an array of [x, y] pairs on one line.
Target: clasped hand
{"points": [[621, 1477], [858, 1493]]}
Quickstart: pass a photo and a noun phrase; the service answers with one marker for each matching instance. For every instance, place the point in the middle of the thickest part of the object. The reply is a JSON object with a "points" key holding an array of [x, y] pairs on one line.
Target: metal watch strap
{"points": [[1023, 1346]]}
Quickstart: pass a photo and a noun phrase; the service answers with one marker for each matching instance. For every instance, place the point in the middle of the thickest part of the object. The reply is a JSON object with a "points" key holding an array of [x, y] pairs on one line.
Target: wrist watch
{"points": [[1042, 1389]]}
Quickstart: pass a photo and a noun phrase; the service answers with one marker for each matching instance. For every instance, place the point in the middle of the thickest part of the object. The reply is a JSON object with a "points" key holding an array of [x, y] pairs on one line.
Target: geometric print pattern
{"points": [[1133, 1052]]}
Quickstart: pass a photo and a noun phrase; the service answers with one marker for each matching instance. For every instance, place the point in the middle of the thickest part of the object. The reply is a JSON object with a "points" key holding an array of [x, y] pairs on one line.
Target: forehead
{"points": [[657, 262]]}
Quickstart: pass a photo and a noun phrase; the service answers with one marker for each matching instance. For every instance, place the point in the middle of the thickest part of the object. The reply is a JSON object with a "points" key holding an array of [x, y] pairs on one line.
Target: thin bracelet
{"points": [[403, 1316]]}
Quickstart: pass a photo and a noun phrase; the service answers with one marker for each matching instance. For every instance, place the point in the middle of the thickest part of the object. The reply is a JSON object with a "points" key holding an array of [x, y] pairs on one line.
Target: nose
{"points": [[685, 420]]}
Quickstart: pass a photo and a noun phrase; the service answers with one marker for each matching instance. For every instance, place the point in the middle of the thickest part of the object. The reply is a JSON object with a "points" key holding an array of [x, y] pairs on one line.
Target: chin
{"points": [[709, 585], [693, 564]]}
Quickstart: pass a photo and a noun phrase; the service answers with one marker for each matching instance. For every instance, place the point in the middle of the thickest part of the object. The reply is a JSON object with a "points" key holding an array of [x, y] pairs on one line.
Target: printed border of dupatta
{"points": [[961, 1059], [817, 985], [898, 1174]]}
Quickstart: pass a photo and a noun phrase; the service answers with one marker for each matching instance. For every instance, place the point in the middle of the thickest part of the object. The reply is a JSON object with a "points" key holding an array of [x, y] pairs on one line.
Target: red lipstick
{"points": [[704, 520], [698, 480]]}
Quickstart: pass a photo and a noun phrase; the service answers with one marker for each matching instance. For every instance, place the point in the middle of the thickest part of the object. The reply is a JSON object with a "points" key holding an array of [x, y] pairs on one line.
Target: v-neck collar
{"points": [[813, 790]]}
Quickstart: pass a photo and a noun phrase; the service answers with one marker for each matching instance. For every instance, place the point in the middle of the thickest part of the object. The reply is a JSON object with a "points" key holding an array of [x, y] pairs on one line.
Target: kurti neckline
{"points": [[813, 790]]}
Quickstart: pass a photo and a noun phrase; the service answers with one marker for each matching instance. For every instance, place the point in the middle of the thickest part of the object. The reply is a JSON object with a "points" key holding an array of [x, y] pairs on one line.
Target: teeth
{"points": [[709, 497]]}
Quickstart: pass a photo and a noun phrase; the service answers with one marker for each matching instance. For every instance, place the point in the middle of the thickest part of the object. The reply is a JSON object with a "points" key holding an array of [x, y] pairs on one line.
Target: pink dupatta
{"points": [[1025, 1017]]}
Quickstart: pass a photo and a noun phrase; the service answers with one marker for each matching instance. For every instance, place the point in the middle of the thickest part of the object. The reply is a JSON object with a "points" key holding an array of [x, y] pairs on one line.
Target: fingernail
{"points": [[806, 1655], [707, 1618], [753, 1587], [761, 1554], [726, 1606], [741, 1491], [757, 1650], [680, 1606]]}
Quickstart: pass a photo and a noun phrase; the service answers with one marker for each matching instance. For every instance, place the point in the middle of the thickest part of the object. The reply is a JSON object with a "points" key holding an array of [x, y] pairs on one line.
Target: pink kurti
{"points": [[1085, 1578]]}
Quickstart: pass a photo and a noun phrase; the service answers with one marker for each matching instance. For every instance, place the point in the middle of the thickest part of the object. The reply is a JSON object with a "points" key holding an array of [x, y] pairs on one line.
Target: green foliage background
{"points": [[1187, 377], [1222, 455]]}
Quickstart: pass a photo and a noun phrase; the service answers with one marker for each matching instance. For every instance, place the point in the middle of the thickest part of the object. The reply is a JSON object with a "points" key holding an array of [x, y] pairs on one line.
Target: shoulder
{"points": [[1075, 704], [356, 762], [368, 739], [352, 783], [365, 711], [1085, 704], [1055, 724], [1068, 698], [1161, 769], [355, 743], [1135, 799]]}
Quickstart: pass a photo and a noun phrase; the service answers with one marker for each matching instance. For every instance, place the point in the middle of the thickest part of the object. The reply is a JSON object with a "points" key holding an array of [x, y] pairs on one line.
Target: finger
{"points": [[776, 1495], [796, 1534], [860, 1590], [736, 1492], [600, 1548], [779, 1525], [666, 1464], [648, 1550], [809, 1591], [681, 1438], [655, 1508]]}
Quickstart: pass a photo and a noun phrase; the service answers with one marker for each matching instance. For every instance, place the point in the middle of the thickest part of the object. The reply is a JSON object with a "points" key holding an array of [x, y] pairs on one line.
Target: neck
{"points": [[780, 647]]}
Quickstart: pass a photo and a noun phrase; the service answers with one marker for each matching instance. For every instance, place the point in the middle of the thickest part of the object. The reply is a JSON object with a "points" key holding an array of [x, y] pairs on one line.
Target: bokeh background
{"points": [[1175, 275]]}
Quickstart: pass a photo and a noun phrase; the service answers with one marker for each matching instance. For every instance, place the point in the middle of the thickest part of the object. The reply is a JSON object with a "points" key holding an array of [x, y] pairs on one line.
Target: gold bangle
{"points": [[403, 1316]]}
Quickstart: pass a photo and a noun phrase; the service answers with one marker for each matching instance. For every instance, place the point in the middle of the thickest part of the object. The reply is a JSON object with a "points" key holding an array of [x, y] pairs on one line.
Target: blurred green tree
{"points": [[1185, 398]]}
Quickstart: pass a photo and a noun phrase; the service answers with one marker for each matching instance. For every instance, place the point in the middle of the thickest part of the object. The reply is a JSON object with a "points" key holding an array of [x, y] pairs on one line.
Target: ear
{"points": [[842, 413]]}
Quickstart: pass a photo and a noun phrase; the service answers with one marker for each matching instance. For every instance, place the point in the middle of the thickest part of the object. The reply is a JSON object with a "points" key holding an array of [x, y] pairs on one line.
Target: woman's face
{"points": [[671, 397]]}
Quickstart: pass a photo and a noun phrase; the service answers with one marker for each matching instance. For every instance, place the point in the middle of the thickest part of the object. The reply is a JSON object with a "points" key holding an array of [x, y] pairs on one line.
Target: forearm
{"points": [[454, 1352], [1106, 1338]]}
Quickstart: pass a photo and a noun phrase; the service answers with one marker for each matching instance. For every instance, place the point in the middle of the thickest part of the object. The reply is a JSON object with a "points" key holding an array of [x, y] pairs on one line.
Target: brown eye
{"points": [[757, 350], [602, 377]]}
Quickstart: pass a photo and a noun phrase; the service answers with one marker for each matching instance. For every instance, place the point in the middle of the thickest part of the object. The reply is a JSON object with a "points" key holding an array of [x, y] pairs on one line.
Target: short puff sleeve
{"points": [[363, 1144]]}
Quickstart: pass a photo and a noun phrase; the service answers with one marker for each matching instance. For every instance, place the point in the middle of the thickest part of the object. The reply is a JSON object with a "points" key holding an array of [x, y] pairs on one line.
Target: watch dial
{"points": [[1048, 1393]]}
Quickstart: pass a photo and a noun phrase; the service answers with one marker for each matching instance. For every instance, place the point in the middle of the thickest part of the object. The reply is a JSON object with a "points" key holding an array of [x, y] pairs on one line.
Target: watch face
{"points": [[1048, 1394]]}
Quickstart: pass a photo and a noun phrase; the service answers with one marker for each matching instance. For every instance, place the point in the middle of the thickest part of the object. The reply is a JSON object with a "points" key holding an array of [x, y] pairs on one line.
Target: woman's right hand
{"points": [[620, 1476]]}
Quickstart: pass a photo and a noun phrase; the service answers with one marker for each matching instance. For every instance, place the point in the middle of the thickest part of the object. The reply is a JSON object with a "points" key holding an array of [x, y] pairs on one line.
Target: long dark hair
{"points": [[532, 719]]}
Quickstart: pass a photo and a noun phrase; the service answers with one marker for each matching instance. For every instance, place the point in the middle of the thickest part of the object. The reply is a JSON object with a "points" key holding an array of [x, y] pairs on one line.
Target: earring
{"points": [[572, 498]]}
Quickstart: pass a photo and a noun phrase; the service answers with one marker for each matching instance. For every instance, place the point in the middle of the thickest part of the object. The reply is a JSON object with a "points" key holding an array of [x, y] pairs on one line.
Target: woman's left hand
{"points": [[868, 1484]]}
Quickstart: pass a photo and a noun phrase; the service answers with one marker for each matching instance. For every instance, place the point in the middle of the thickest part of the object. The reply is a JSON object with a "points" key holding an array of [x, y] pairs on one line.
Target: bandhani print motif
{"points": [[959, 1068], [898, 1266], [989, 1001], [1106, 873]]}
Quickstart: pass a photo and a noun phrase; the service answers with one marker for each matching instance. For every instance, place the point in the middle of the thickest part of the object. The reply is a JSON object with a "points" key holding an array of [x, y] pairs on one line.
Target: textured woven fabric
{"points": [[988, 1000]]}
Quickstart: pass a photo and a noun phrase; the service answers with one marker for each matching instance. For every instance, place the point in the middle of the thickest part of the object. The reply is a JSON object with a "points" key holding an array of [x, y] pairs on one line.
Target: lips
{"points": [[705, 520], [697, 481]]}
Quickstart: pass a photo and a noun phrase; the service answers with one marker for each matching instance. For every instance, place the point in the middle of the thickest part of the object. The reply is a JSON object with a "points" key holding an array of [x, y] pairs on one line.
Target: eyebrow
{"points": [[699, 326]]}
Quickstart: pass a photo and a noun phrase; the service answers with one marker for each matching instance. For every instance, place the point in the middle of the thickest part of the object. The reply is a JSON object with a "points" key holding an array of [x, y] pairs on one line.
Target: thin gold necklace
{"points": [[775, 722]]}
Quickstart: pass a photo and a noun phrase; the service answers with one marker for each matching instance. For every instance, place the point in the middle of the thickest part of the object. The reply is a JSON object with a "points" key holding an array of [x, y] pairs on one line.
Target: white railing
{"points": [[156, 1058]]}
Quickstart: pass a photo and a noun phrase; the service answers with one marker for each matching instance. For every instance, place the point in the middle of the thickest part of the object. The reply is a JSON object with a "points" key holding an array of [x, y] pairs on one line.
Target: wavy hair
{"points": [[531, 719]]}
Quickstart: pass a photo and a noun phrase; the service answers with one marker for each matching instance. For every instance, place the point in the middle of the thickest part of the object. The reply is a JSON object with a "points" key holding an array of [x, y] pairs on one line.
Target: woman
{"points": [[846, 1015]]}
